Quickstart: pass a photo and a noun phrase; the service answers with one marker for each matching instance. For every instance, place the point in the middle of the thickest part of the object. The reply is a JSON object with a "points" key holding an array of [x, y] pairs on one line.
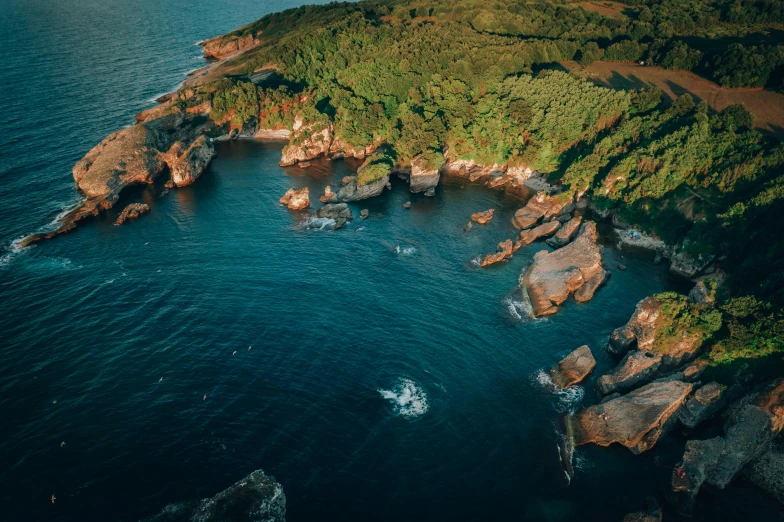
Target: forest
{"points": [[481, 81]]}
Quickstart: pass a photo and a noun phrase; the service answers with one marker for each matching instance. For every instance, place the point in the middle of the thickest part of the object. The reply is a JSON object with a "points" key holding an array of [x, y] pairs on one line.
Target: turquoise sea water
{"points": [[375, 371]]}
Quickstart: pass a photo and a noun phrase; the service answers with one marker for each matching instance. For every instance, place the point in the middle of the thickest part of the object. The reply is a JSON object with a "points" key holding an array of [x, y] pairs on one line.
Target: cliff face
{"points": [[222, 47]]}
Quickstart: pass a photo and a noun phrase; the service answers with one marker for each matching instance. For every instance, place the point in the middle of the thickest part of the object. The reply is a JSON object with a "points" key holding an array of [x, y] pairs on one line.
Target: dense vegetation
{"points": [[474, 80]]}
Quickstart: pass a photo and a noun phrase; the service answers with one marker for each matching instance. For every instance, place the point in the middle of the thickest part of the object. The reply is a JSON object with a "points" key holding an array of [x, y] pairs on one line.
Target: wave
{"points": [[407, 398], [476, 261], [569, 398], [317, 223], [405, 251]]}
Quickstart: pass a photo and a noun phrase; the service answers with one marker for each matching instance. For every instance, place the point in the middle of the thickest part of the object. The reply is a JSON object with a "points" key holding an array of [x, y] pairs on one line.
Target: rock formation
{"points": [[422, 176], [573, 368], [222, 47], [639, 331], [566, 233], [767, 471], [635, 368], [686, 264], [652, 514], [296, 199], [574, 269], [636, 420], [328, 195], [701, 406], [339, 212], [307, 143], [188, 165], [545, 229], [504, 251], [483, 217], [132, 211], [750, 428], [353, 191], [540, 206], [256, 498]]}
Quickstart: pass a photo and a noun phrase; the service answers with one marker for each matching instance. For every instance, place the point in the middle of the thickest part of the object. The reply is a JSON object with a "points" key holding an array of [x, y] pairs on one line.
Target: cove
{"points": [[378, 371]]}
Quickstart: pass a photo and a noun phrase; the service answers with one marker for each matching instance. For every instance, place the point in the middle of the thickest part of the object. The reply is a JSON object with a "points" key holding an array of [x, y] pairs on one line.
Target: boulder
{"points": [[573, 368], [503, 251], [364, 213], [636, 420], [335, 211], [540, 206], [704, 404], [422, 177], [553, 276], [132, 211], [566, 233], [750, 428], [187, 167], [545, 229], [307, 143], [483, 217], [635, 368], [256, 498], [296, 199], [407, 205]]}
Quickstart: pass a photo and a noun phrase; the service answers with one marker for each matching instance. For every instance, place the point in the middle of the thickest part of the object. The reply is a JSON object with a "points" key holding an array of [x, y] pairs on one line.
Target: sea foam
{"points": [[408, 399], [405, 251]]}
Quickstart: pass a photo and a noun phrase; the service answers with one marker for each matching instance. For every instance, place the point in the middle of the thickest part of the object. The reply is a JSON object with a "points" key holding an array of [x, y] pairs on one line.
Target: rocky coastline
{"points": [[654, 388]]}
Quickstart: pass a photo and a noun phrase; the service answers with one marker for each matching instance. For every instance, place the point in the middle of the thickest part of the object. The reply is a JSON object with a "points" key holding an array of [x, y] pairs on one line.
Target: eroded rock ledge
{"points": [[575, 269]]}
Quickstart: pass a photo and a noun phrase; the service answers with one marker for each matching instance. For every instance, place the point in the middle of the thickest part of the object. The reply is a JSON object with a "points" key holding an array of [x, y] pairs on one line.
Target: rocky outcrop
{"points": [[483, 217], [328, 195], [574, 269], [635, 368], [639, 331], [504, 251], [566, 233], [636, 420], [188, 164], [516, 175], [353, 191], [339, 212], [767, 471], [687, 264], [573, 368], [296, 199], [256, 498], [704, 404], [545, 229], [340, 149], [129, 156], [222, 47], [749, 430], [307, 143], [132, 211], [422, 177], [540, 207]]}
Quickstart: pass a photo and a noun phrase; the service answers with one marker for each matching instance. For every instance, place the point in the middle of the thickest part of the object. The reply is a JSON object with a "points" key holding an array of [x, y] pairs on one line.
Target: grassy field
{"points": [[767, 106]]}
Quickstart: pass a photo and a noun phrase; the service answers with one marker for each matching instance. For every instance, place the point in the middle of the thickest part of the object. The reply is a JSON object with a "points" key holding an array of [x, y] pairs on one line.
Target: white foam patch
{"points": [[569, 399], [476, 261], [408, 399], [405, 251], [317, 223]]}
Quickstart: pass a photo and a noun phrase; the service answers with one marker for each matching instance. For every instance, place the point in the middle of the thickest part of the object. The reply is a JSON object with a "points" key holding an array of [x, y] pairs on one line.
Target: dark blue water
{"points": [[341, 324]]}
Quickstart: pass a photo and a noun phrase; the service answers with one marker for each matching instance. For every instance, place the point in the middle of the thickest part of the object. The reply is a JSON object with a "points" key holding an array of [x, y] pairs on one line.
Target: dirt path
{"points": [[767, 106]]}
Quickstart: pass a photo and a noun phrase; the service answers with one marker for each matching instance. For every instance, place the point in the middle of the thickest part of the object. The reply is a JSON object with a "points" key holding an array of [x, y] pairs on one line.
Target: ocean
{"points": [[376, 372]]}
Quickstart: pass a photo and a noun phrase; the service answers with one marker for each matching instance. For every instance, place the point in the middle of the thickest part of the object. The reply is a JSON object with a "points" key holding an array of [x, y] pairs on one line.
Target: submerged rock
{"points": [[574, 269], [652, 514], [503, 251], [256, 498], [545, 229], [636, 420], [540, 206], [407, 205], [483, 217], [132, 211], [566, 233], [573, 368], [748, 432], [296, 199]]}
